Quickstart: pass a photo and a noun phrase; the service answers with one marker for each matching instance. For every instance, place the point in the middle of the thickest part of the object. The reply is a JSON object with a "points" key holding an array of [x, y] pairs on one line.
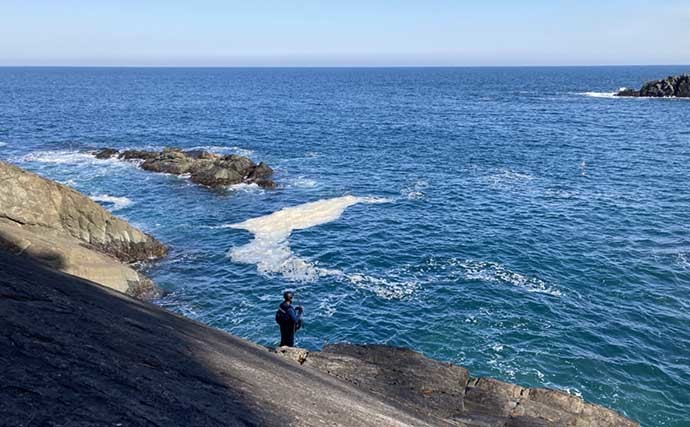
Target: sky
{"points": [[344, 33]]}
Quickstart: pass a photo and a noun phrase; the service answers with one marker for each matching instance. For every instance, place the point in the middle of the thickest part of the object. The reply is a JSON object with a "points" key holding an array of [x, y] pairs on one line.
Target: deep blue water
{"points": [[524, 229]]}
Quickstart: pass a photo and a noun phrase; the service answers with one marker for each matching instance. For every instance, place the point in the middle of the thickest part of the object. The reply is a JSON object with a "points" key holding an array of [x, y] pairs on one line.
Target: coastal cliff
{"points": [[75, 353], [66, 230]]}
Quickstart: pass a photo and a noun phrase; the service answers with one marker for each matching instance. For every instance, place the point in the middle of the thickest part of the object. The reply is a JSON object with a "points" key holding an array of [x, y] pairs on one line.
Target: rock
{"points": [[67, 230], [105, 153], [73, 353], [295, 354], [426, 386], [211, 170], [678, 86]]}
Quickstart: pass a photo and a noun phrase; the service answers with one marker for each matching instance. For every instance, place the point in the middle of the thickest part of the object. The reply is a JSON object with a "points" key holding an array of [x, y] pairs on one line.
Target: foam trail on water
{"points": [[270, 248], [600, 94]]}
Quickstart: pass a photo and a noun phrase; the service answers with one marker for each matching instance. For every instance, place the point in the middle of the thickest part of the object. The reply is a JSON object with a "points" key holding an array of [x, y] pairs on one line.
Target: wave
{"points": [[2, 144], [600, 94], [67, 157], [270, 248], [113, 203], [219, 149]]}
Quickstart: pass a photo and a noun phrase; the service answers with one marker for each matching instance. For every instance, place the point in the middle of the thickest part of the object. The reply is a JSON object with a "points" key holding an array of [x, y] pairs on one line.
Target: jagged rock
{"points": [[678, 86], [432, 387], [211, 170], [67, 230], [105, 153], [296, 354]]}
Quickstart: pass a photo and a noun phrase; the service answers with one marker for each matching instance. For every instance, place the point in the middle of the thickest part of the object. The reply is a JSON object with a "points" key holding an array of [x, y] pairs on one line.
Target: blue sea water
{"points": [[518, 221]]}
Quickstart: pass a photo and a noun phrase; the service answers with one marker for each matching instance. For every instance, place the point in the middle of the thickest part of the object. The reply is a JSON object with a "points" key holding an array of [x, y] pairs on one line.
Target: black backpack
{"points": [[281, 316]]}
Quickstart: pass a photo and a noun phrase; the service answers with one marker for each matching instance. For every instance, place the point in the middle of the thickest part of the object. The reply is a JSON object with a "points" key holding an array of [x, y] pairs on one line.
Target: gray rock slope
{"points": [[73, 353], [70, 232]]}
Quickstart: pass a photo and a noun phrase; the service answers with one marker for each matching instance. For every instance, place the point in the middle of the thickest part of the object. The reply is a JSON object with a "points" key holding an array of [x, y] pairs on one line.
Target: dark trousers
{"points": [[287, 334]]}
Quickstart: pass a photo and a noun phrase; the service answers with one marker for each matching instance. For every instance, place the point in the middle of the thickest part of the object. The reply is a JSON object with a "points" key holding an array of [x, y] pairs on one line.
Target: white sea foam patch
{"points": [[270, 248], [218, 149], [494, 272], [2, 144], [68, 157], [113, 203]]}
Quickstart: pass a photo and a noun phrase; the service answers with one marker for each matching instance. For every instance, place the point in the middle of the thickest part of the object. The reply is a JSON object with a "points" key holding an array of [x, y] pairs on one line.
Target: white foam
{"points": [[218, 149], [270, 248], [246, 188], [2, 144], [112, 202], [415, 191], [68, 157], [302, 182], [494, 272], [600, 94]]}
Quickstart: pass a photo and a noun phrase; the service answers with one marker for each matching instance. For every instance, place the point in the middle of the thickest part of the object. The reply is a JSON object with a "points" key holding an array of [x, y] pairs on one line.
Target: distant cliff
{"points": [[678, 86], [75, 353], [66, 230]]}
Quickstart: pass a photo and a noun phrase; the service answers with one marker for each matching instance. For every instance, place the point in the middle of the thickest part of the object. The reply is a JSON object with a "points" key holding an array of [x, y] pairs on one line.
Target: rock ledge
{"points": [[678, 86]]}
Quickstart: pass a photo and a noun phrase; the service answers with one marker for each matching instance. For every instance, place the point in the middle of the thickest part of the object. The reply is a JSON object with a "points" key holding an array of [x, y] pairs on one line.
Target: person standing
{"points": [[289, 319]]}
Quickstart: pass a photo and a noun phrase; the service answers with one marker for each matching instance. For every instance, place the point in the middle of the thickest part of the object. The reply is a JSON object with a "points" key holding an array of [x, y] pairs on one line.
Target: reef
{"points": [[208, 169], [678, 86]]}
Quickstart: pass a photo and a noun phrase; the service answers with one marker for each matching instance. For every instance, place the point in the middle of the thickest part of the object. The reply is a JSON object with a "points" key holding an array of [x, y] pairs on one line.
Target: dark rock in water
{"points": [[106, 153], [678, 86], [212, 170], [427, 386]]}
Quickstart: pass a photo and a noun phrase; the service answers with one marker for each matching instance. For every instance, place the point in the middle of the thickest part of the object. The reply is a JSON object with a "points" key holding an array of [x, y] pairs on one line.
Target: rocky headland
{"points": [[67, 231], [75, 353], [678, 86], [203, 167]]}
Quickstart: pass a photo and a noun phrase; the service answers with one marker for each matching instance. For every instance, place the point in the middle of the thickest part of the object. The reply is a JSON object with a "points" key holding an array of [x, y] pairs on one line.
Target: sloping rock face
{"points": [[678, 86], [211, 170], [431, 387], [70, 232], [73, 353]]}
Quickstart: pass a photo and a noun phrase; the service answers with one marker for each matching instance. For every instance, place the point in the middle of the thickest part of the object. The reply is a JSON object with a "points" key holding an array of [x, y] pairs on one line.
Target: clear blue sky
{"points": [[343, 33]]}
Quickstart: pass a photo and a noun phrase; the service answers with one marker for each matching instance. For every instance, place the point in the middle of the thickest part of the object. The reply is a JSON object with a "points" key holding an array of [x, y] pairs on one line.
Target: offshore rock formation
{"points": [[212, 170], [432, 388], [75, 353], [69, 232], [678, 86]]}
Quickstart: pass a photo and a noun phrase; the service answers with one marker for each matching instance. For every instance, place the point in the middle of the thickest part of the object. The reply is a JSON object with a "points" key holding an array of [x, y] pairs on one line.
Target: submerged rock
{"points": [[678, 86], [209, 169], [430, 387], [68, 231]]}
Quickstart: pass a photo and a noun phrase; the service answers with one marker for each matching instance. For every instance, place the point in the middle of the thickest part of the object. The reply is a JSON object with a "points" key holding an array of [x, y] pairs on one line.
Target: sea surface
{"points": [[521, 222]]}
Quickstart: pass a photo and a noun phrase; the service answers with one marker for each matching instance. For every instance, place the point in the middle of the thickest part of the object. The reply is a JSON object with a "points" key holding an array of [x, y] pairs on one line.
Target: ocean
{"points": [[521, 222]]}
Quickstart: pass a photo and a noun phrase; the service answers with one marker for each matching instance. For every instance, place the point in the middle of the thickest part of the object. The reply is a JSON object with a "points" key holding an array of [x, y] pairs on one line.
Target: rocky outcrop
{"points": [[68, 231], [678, 86], [73, 353], [430, 387], [209, 169]]}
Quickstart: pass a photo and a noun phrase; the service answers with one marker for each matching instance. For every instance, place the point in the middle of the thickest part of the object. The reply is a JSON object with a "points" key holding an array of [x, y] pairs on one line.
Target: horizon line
{"points": [[337, 66]]}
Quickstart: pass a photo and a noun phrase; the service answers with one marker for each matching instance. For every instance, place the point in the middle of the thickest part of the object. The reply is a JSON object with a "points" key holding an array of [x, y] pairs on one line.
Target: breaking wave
{"points": [[600, 94], [112, 203]]}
